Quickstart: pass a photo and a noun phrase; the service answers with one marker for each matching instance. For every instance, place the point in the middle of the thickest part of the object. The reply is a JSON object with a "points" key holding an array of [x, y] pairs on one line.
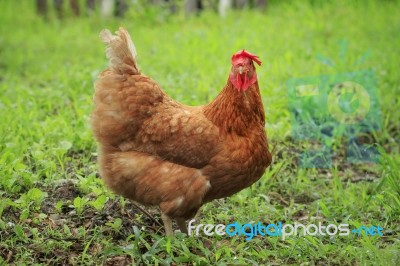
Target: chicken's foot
{"points": [[182, 225], [167, 224]]}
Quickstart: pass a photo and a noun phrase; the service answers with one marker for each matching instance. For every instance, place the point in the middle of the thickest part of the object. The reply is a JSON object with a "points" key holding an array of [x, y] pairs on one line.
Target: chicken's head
{"points": [[243, 73]]}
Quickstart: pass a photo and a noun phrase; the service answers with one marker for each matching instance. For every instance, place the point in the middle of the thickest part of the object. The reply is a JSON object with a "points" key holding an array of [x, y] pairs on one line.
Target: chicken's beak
{"points": [[240, 70], [239, 77]]}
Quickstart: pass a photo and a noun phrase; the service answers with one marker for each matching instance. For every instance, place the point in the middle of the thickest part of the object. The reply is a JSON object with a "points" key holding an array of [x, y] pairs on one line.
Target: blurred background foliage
{"points": [[54, 209]]}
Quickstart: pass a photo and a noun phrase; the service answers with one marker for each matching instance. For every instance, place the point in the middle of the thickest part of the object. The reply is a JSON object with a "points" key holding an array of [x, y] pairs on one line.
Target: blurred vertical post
{"points": [[224, 6], [240, 4], [116, 7], [41, 6], [90, 6], [261, 4], [75, 7], [107, 7], [120, 8], [58, 5], [172, 5], [193, 6]]}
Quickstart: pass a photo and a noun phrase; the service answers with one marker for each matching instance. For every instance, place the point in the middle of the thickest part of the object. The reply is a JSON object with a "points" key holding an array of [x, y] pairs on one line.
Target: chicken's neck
{"points": [[235, 111]]}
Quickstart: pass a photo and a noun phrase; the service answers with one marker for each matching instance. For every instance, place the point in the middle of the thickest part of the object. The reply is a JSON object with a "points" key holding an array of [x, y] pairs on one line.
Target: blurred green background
{"points": [[54, 209]]}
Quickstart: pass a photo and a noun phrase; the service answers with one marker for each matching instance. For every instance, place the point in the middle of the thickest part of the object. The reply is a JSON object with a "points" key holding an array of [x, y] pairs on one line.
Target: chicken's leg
{"points": [[167, 224], [182, 225]]}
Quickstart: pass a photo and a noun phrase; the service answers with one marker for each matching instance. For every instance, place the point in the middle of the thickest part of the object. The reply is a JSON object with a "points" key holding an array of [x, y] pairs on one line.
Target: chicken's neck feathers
{"points": [[236, 111]]}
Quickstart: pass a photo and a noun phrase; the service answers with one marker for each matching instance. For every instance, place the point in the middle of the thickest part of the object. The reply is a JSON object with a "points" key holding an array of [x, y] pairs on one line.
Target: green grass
{"points": [[55, 209]]}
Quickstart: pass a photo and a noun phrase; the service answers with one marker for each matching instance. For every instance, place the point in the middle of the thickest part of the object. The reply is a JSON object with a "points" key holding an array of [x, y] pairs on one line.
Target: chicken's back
{"points": [[151, 148], [122, 103]]}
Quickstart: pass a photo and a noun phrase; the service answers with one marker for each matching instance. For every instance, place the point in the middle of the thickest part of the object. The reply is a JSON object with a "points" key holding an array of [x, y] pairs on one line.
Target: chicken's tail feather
{"points": [[121, 51]]}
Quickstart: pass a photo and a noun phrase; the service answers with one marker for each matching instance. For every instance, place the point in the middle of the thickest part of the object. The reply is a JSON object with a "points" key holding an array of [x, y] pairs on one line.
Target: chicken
{"points": [[156, 151]]}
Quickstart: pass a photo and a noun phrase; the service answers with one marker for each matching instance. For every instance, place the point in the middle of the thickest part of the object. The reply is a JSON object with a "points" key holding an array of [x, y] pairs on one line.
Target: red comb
{"points": [[244, 53]]}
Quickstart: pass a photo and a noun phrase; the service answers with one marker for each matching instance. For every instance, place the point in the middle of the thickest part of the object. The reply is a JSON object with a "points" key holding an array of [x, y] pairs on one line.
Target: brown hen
{"points": [[157, 151]]}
